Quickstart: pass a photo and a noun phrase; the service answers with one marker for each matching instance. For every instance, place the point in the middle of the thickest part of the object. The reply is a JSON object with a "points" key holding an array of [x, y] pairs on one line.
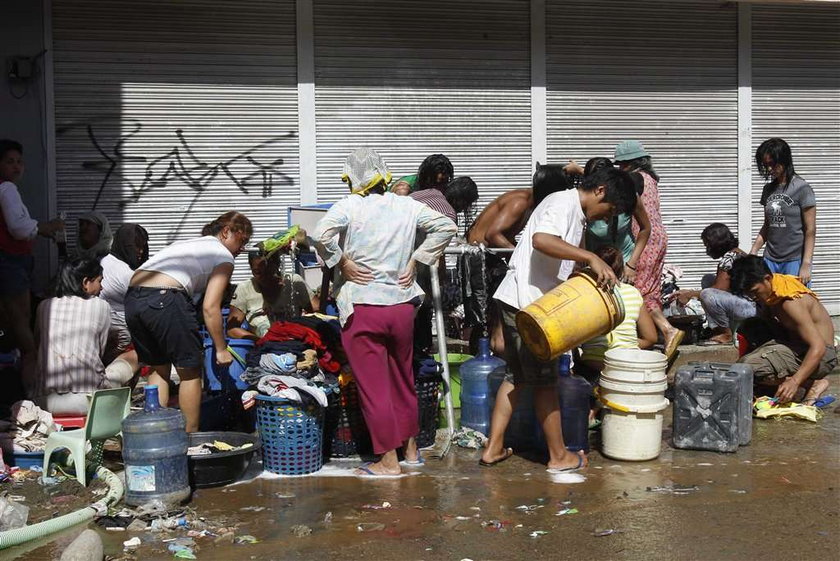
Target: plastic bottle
{"points": [[61, 237], [169, 523], [475, 387], [155, 454], [575, 393]]}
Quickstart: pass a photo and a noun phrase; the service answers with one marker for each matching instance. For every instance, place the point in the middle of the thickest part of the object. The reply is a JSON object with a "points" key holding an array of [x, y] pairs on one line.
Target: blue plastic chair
{"points": [[107, 410]]}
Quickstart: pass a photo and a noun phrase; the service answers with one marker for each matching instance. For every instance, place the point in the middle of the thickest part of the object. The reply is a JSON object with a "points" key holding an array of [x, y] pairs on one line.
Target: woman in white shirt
{"points": [[376, 294], [129, 250], [160, 313]]}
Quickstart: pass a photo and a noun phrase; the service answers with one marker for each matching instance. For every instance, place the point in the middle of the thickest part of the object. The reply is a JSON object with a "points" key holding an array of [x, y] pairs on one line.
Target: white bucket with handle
{"points": [[632, 388]]}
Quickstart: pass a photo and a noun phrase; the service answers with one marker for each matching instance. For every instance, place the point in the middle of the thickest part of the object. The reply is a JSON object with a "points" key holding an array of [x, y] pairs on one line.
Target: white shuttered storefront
{"points": [[172, 112], [413, 78], [661, 72], [796, 96]]}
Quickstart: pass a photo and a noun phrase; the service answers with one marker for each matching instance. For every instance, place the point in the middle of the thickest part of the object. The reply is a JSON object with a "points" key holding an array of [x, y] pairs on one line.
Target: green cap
{"points": [[629, 150]]}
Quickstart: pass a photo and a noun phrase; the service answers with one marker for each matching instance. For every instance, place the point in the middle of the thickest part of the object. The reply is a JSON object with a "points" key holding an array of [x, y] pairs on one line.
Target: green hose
{"points": [[18, 536]]}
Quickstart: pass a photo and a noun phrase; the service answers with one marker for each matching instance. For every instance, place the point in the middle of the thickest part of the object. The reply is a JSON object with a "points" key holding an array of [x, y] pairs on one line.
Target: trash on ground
{"points": [[606, 532], [300, 530], [537, 533], [12, 514], [132, 544], [249, 539], [385, 504], [370, 527], [567, 511], [674, 489]]}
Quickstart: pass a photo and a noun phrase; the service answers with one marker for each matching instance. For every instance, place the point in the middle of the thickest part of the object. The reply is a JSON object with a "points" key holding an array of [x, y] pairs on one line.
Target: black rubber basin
{"points": [[220, 468]]}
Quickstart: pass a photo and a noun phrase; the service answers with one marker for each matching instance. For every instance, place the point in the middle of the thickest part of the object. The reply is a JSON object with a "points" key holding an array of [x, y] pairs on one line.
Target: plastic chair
{"points": [[107, 410]]}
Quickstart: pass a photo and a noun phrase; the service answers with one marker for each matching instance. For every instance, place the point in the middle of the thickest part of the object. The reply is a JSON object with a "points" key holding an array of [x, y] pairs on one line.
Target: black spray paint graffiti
{"points": [[181, 164]]}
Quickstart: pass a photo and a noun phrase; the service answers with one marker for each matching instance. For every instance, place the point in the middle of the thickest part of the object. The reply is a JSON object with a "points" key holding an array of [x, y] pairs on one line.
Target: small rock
{"points": [[300, 530], [86, 547]]}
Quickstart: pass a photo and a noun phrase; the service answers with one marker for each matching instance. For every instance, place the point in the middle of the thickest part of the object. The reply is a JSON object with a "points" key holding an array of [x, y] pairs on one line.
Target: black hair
{"points": [[430, 168], [746, 272], [461, 193], [718, 239], [71, 274], [7, 145], [124, 245], [779, 153], [612, 257], [548, 179], [644, 163], [618, 188], [594, 164]]}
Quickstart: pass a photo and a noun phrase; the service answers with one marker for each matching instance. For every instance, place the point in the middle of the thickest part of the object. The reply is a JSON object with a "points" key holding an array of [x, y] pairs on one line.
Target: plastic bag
{"points": [[12, 515]]}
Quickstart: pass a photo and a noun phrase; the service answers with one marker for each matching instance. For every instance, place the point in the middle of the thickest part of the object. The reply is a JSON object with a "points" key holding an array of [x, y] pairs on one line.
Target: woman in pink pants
{"points": [[370, 237]]}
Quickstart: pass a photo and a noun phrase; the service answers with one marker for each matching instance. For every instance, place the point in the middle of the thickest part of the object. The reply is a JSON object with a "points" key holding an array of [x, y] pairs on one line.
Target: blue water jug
{"points": [[155, 454], [521, 432], [475, 387], [575, 393]]}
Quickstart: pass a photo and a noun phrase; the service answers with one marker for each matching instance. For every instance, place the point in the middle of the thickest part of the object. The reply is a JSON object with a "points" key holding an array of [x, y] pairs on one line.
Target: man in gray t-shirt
{"points": [[783, 206]]}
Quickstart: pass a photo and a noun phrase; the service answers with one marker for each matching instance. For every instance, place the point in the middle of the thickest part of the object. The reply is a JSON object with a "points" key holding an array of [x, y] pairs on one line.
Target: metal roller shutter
{"points": [[413, 78], [661, 72], [796, 96], [173, 112]]}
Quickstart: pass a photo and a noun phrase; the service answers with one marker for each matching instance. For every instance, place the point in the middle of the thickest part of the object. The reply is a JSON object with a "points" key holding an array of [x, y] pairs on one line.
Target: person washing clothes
{"points": [[72, 332], [161, 316], [369, 237], [544, 258]]}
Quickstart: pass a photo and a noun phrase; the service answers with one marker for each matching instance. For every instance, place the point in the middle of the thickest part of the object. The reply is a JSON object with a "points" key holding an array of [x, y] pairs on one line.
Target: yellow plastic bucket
{"points": [[568, 315]]}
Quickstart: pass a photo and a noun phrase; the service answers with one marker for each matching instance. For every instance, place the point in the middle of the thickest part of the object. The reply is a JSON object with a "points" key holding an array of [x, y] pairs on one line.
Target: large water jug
{"points": [[575, 393], [475, 387], [155, 454], [521, 433]]}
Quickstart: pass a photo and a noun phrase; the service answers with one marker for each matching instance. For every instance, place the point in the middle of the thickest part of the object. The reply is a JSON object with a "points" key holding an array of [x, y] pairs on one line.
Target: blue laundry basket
{"points": [[292, 435]]}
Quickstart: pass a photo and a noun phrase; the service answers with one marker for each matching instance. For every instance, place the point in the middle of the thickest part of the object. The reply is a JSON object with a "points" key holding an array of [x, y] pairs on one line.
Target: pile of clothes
{"points": [[27, 428], [298, 360]]}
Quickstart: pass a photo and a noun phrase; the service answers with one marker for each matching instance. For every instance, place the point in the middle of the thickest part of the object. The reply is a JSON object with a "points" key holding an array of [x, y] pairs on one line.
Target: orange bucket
{"points": [[568, 315]]}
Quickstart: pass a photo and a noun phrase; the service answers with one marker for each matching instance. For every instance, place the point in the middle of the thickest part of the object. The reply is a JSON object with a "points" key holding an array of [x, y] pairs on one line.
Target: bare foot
{"points": [[818, 388], [377, 469], [571, 460], [491, 458]]}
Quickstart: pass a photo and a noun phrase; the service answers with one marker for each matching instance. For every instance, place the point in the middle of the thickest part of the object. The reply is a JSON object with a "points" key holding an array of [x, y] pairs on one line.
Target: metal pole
{"points": [[444, 357]]}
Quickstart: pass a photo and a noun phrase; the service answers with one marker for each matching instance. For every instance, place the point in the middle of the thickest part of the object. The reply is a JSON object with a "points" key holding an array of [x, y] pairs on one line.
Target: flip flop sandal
{"points": [[568, 469], [674, 344], [415, 463], [508, 454], [369, 473]]}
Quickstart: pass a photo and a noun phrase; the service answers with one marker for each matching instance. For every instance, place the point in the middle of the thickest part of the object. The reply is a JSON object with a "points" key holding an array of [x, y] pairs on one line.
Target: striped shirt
{"points": [[72, 333], [624, 336], [435, 200]]}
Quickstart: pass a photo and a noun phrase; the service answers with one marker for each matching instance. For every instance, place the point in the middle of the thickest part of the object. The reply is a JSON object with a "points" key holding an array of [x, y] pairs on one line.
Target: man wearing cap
{"points": [[376, 294]]}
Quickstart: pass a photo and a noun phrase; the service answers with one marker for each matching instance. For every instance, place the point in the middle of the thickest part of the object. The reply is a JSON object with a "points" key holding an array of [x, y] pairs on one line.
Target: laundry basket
{"points": [[427, 384], [350, 434], [292, 435]]}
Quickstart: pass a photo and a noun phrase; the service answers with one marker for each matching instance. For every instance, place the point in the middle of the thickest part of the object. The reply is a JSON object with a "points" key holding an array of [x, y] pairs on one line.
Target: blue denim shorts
{"points": [[15, 273]]}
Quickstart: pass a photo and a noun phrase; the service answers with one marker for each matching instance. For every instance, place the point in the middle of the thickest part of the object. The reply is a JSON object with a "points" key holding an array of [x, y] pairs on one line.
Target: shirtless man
{"points": [[805, 354], [497, 227]]}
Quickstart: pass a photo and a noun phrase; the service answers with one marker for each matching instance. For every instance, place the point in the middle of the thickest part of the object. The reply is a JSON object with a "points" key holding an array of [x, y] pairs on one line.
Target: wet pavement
{"points": [[775, 499]]}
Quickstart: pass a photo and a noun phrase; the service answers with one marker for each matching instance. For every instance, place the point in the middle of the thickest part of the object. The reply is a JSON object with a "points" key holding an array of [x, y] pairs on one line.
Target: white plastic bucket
{"points": [[633, 385]]}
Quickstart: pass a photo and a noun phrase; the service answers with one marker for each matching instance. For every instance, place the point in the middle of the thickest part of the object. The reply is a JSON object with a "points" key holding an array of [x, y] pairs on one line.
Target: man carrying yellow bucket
{"points": [[544, 258]]}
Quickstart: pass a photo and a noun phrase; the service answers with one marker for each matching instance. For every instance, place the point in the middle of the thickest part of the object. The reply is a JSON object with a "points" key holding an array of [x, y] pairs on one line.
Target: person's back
{"points": [[811, 306], [190, 262], [378, 217], [505, 216]]}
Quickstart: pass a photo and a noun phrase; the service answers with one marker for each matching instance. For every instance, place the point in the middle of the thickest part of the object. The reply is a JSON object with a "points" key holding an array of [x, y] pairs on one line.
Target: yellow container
{"points": [[568, 315]]}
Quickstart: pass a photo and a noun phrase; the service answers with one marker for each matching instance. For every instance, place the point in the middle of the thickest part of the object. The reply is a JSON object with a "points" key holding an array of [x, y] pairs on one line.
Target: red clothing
{"points": [[435, 200], [379, 342], [649, 268], [288, 331]]}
